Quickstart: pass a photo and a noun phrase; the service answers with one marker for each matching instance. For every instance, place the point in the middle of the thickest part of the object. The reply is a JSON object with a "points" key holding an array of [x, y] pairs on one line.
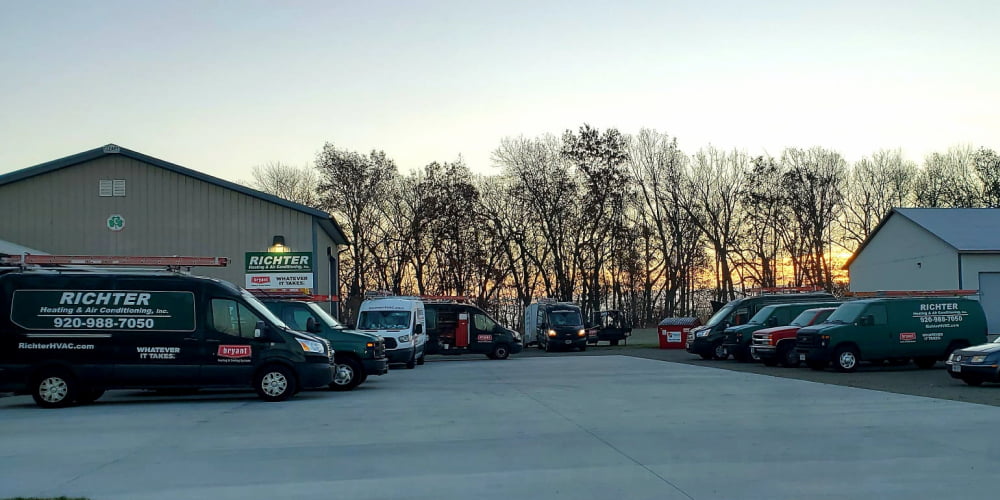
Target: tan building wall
{"points": [[165, 213]]}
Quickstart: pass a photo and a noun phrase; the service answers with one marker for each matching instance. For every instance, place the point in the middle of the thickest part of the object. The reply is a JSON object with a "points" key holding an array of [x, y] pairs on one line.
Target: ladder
{"points": [[174, 262]]}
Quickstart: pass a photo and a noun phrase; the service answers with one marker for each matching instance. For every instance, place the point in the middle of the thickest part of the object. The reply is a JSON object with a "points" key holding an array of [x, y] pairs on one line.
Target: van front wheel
{"points": [[846, 359], [275, 383], [54, 388]]}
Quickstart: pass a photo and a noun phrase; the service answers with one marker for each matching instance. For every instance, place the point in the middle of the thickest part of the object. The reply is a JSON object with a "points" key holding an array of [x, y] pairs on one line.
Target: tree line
{"points": [[617, 221]]}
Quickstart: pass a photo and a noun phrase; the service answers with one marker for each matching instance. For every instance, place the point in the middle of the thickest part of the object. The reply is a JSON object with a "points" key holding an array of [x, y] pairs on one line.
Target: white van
{"points": [[401, 322]]}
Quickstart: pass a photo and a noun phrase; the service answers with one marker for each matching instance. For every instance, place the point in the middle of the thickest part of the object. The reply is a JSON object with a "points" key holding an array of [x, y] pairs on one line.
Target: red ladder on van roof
{"points": [[913, 293], [111, 260]]}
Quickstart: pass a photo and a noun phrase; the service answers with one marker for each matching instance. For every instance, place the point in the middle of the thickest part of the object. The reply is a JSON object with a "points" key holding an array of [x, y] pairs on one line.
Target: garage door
{"points": [[989, 295]]}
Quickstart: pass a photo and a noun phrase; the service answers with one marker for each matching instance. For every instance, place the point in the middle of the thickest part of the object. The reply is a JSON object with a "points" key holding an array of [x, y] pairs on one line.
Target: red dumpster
{"points": [[673, 332]]}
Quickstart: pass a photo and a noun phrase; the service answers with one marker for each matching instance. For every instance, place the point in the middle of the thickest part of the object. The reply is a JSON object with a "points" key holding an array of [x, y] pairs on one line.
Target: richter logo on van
{"points": [[234, 351]]}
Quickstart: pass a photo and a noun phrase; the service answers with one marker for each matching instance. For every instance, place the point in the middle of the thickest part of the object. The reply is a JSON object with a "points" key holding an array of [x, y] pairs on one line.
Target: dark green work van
{"points": [[357, 354], [66, 336], [706, 340], [737, 339], [896, 329]]}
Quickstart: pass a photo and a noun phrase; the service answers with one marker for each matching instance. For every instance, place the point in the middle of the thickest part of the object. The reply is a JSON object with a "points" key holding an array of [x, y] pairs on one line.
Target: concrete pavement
{"points": [[576, 427]]}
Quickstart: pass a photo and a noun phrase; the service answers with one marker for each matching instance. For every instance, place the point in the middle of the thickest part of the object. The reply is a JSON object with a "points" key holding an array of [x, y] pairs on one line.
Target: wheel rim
{"points": [[344, 376], [274, 384], [501, 352], [847, 360], [53, 389], [720, 351]]}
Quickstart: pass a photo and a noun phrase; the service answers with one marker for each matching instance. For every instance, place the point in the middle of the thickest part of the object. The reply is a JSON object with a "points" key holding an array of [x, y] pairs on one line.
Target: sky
{"points": [[221, 86]]}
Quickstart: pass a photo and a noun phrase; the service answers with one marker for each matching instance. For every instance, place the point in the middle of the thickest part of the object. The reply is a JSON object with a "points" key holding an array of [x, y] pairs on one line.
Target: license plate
{"points": [[956, 368], [568, 342], [802, 357]]}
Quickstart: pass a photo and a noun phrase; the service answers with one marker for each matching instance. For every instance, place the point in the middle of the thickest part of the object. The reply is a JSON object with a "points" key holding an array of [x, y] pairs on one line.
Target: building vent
{"points": [[109, 187]]}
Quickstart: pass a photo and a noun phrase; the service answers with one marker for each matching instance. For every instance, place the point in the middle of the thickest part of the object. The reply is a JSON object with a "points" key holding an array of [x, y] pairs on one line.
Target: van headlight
{"points": [[703, 333], [404, 338], [551, 333], [312, 346], [581, 333]]}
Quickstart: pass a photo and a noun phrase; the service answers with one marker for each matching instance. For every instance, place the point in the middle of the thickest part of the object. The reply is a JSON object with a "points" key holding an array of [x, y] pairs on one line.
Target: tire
{"points": [[275, 383], [974, 382], [89, 395], [583, 348], [412, 363], [54, 388], [719, 352], [500, 351], [846, 359], [925, 363], [347, 375], [549, 347], [613, 342], [788, 357], [420, 360], [741, 355]]}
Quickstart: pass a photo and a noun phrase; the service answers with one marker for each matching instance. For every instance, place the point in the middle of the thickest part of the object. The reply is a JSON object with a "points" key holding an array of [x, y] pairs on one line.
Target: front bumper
{"points": [[315, 375], [814, 354], [703, 345], [516, 347], [376, 366], [402, 355], [763, 352], [989, 373]]}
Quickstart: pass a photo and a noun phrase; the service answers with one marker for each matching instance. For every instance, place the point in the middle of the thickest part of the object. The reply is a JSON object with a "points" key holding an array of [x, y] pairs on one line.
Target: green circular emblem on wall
{"points": [[116, 222]]}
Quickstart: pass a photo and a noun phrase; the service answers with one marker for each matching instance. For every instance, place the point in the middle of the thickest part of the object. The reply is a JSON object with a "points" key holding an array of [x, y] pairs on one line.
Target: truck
{"points": [[358, 354], [737, 339], [896, 327], [456, 326], [776, 345], [609, 326], [553, 325], [706, 340], [71, 328]]}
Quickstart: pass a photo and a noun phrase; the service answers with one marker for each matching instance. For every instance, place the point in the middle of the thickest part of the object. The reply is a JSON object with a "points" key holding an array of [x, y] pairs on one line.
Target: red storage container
{"points": [[673, 332]]}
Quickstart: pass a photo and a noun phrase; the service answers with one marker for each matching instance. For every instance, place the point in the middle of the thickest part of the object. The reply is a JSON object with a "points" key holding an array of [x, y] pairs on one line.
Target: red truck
{"points": [[774, 346]]}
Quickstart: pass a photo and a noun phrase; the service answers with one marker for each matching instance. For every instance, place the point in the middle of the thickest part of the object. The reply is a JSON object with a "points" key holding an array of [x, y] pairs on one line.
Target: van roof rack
{"points": [[784, 289], [83, 262], [913, 293]]}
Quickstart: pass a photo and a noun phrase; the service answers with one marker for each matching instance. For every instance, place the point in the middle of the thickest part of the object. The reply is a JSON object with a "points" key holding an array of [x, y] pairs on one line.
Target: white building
{"points": [[933, 249]]}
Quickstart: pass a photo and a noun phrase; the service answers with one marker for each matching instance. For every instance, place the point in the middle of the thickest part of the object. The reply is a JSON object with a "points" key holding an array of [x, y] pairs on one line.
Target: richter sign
{"points": [[279, 270]]}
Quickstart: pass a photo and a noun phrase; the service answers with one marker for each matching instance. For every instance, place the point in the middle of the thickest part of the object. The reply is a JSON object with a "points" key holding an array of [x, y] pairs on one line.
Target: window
{"points": [[484, 323], [296, 318], [232, 318], [111, 187], [878, 314]]}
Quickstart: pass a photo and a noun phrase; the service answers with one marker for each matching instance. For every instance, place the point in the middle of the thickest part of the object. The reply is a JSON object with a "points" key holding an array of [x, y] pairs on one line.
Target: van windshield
{"points": [[761, 317], [323, 315], [847, 313], [565, 318], [261, 309], [384, 320], [720, 315]]}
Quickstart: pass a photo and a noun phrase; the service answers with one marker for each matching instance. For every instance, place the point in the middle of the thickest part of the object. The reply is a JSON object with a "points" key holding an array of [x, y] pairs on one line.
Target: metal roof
{"points": [[10, 248], [325, 220], [967, 230]]}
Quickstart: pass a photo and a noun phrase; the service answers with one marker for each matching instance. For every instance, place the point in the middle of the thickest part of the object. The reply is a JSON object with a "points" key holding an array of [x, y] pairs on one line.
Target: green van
{"points": [[897, 329], [706, 340], [737, 339]]}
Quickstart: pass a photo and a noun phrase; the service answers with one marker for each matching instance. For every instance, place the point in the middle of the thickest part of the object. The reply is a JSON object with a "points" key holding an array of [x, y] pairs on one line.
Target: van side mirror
{"points": [[312, 326], [417, 330], [259, 329]]}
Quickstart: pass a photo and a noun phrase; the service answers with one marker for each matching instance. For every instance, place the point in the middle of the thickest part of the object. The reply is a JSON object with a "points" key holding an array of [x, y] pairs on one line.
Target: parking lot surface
{"points": [[531, 427]]}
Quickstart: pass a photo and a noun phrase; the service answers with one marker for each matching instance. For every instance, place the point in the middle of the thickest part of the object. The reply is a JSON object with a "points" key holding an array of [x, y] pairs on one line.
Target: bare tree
{"points": [[875, 186], [297, 184], [987, 163], [814, 181], [949, 179]]}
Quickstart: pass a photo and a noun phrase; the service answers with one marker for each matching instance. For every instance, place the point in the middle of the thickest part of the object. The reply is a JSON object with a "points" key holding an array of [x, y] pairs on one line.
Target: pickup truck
{"points": [[774, 346]]}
